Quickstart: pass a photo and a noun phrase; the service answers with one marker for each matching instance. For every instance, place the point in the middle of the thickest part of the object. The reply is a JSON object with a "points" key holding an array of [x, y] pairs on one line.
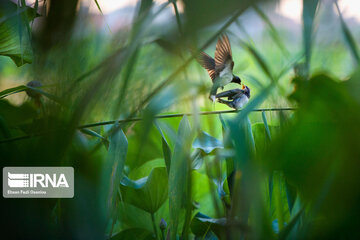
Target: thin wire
{"points": [[156, 117]]}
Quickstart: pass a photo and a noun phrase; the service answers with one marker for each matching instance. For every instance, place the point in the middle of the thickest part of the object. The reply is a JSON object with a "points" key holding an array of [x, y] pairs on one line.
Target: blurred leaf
{"points": [[266, 125], [95, 134], [147, 193], [115, 162], [12, 44], [13, 115], [13, 90], [48, 95], [291, 195], [349, 39], [197, 12], [22, 88], [202, 224], [308, 16], [132, 234], [206, 143], [165, 148], [130, 216], [273, 32], [145, 169], [278, 200], [92, 133], [178, 175], [284, 233], [259, 59]]}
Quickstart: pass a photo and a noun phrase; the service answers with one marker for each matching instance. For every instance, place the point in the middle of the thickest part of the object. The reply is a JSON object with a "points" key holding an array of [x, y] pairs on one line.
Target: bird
{"points": [[219, 69], [239, 97]]}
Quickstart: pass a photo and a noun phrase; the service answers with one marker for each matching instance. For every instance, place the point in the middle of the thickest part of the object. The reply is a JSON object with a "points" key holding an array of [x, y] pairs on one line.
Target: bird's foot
{"points": [[212, 98]]}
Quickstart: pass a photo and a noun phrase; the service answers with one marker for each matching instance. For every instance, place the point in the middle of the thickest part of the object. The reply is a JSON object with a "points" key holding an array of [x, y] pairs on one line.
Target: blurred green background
{"points": [[284, 167]]}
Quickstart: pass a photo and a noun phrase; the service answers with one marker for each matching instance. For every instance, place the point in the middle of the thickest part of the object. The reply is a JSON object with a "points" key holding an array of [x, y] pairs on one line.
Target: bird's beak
{"points": [[243, 87]]}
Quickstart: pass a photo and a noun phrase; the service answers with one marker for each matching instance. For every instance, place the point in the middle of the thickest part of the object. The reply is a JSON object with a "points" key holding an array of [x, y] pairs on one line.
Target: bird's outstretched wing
{"points": [[223, 55], [230, 94], [208, 63]]}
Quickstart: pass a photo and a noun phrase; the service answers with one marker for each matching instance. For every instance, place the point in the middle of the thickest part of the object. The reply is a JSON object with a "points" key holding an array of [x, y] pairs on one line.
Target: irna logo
{"points": [[38, 182], [20, 180]]}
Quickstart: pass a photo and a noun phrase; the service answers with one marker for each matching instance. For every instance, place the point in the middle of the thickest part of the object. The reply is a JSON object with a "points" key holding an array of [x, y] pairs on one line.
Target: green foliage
{"points": [[147, 193], [14, 35], [178, 175], [143, 174]]}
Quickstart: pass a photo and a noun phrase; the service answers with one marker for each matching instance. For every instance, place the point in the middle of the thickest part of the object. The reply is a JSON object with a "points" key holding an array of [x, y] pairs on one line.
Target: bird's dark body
{"points": [[238, 97]]}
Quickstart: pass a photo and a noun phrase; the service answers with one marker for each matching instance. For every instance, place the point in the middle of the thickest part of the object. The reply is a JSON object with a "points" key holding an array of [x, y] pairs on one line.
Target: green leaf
{"points": [[260, 60], [48, 95], [147, 193], [145, 169], [131, 216], [266, 125], [273, 32], [207, 143], [349, 39], [202, 224], [95, 134], [13, 23], [91, 133], [165, 147], [133, 233], [179, 171], [309, 10], [284, 233], [13, 90], [115, 162], [290, 195]]}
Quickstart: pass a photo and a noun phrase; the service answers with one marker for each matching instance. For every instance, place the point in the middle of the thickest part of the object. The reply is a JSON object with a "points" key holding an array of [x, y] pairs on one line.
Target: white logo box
{"points": [[38, 182]]}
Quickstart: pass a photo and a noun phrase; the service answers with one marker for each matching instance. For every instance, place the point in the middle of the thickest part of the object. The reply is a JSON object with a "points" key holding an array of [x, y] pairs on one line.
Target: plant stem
{"points": [[154, 225]]}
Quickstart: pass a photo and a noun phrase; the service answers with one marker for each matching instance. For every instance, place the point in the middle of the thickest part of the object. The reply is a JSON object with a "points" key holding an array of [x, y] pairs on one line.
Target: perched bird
{"points": [[220, 69], [238, 96]]}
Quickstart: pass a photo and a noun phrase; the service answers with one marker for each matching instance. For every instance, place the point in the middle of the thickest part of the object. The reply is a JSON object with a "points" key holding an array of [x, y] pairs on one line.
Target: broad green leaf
{"points": [[133, 233], [202, 224], [14, 42], [202, 187], [145, 169], [178, 175], [131, 216], [207, 143], [15, 116], [147, 193]]}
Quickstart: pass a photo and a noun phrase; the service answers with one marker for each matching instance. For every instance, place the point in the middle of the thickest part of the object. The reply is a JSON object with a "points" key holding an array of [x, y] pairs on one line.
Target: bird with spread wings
{"points": [[219, 69]]}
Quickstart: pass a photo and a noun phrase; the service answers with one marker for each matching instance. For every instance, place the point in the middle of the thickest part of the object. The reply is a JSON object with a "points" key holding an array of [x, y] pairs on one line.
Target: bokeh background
{"points": [[101, 72]]}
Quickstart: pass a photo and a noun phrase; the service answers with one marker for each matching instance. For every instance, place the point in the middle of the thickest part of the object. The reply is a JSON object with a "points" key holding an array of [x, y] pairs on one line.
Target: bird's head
{"points": [[246, 90], [236, 79]]}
